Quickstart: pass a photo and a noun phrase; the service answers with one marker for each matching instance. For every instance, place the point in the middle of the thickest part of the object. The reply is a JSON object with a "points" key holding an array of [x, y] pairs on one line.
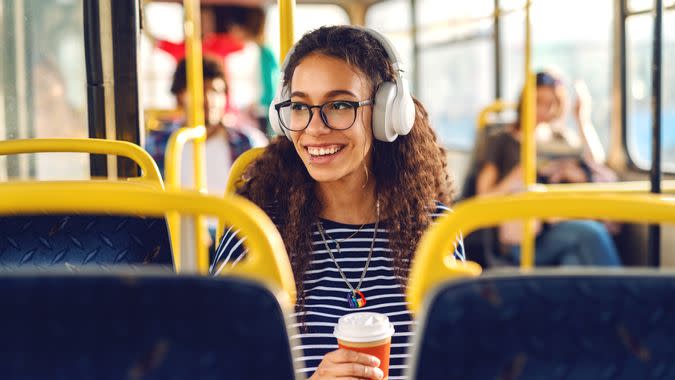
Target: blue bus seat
{"points": [[83, 240], [133, 326], [553, 325]]}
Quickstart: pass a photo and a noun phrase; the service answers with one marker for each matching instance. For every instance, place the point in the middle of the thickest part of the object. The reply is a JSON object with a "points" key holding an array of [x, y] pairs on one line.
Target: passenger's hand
{"points": [[346, 364], [570, 172]]}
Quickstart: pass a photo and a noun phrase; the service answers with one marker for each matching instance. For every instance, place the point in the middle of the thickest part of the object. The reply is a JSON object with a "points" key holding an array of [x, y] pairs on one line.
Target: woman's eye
{"points": [[341, 106], [297, 106]]}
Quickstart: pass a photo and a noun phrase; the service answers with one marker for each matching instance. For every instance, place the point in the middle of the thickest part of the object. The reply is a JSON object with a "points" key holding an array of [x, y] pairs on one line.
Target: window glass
{"points": [[393, 19], [307, 17], [457, 80], [456, 66], [639, 31], [43, 84], [582, 52], [162, 21]]}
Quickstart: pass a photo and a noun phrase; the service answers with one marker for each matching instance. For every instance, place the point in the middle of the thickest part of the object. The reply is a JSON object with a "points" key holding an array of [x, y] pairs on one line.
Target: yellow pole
{"points": [[528, 151], [286, 25], [193, 56]]}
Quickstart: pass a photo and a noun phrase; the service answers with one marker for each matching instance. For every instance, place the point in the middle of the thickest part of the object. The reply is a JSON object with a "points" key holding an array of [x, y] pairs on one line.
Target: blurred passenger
{"points": [[564, 158], [225, 141], [351, 186], [248, 25]]}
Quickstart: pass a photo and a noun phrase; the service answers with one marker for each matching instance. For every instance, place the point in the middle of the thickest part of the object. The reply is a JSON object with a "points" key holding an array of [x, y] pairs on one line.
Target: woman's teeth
{"points": [[323, 151]]}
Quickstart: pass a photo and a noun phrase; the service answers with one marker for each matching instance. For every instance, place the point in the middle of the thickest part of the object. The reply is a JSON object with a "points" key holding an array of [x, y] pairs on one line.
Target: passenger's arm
{"points": [[345, 364], [593, 149], [487, 183]]}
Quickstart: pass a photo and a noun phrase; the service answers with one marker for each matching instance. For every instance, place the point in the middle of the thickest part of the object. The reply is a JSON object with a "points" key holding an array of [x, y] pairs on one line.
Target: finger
{"points": [[351, 370], [349, 356]]}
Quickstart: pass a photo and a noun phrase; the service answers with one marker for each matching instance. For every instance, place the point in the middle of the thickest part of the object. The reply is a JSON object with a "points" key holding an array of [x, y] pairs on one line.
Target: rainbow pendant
{"points": [[356, 299]]}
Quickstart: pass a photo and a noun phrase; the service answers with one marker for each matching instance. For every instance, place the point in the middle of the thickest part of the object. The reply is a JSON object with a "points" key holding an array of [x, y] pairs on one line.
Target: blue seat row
{"points": [[550, 325], [133, 326], [40, 241]]}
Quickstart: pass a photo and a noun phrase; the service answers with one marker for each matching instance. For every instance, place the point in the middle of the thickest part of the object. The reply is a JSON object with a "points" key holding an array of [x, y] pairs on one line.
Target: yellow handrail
{"points": [[265, 261], [239, 166], [149, 170], [608, 187], [528, 151], [195, 132], [234, 178], [431, 265], [172, 168], [154, 116], [286, 27], [495, 107]]}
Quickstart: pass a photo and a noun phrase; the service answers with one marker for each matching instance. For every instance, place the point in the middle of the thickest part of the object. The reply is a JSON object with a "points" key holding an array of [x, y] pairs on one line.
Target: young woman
{"points": [[575, 242], [352, 186]]}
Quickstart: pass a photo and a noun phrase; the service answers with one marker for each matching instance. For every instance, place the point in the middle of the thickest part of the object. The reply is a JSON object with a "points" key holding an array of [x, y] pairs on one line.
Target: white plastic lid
{"points": [[363, 327]]}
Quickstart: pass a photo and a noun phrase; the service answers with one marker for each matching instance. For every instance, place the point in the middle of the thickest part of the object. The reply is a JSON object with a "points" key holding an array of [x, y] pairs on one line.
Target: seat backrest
{"points": [[556, 325], [141, 327], [83, 240]]}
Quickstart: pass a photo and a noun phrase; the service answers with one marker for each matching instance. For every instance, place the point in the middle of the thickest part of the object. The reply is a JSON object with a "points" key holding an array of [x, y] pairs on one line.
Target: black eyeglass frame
{"points": [[355, 104]]}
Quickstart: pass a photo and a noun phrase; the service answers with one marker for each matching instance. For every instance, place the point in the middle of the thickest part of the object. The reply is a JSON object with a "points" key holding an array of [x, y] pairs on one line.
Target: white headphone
{"points": [[393, 109]]}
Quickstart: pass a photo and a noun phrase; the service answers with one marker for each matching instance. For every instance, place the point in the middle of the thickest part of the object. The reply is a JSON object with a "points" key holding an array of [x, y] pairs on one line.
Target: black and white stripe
{"points": [[326, 293]]}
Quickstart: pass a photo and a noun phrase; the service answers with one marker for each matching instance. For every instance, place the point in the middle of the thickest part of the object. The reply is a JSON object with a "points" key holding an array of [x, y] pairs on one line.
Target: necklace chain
{"points": [[337, 242], [323, 234]]}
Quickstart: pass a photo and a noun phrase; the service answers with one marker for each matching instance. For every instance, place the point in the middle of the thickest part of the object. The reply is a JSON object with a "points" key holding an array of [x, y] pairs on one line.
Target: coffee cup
{"points": [[369, 333]]}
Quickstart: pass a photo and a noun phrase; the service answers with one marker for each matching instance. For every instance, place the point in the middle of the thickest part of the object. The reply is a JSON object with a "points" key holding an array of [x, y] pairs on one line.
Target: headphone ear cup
{"points": [[274, 116], [383, 129], [404, 108]]}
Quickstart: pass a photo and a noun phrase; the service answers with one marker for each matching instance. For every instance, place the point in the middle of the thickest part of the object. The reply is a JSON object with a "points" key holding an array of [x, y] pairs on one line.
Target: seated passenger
{"points": [[574, 242], [224, 141], [350, 205]]}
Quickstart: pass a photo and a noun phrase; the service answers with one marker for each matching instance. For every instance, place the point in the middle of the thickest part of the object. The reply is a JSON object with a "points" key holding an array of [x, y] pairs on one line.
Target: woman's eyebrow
{"points": [[330, 94], [335, 93]]}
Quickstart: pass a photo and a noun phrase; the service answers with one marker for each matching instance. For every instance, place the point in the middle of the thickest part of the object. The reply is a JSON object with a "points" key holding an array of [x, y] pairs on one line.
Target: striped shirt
{"points": [[326, 292]]}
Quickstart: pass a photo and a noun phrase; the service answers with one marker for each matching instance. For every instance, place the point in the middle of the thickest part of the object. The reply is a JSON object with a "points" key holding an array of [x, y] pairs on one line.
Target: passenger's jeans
{"points": [[575, 242]]}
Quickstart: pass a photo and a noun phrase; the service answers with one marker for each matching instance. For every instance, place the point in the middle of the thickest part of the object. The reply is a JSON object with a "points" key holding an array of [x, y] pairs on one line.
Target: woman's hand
{"points": [[345, 364]]}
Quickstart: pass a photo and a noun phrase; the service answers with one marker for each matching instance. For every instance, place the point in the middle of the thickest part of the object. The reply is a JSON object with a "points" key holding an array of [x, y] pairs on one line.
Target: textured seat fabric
{"points": [[555, 326], [128, 327], [83, 240]]}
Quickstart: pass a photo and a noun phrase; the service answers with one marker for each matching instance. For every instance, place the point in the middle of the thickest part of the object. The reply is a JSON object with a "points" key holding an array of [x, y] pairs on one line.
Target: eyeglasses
{"points": [[545, 79], [337, 114]]}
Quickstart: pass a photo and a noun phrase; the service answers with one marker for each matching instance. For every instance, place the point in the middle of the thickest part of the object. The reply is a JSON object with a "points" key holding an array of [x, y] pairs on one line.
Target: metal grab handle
{"points": [[126, 149], [496, 107]]}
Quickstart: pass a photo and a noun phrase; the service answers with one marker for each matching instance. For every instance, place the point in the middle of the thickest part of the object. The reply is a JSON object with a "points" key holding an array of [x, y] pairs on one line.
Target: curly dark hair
{"points": [[410, 173]]}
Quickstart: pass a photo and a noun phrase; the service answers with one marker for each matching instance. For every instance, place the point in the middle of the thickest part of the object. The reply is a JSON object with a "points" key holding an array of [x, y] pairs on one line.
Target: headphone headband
{"points": [[393, 109]]}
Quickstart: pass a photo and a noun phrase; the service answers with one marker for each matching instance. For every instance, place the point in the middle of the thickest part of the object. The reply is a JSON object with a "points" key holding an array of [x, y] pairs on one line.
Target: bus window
{"points": [[574, 37], [163, 21], [639, 34], [43, 86], [456, 66], [307, 17], [392, 18]]}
